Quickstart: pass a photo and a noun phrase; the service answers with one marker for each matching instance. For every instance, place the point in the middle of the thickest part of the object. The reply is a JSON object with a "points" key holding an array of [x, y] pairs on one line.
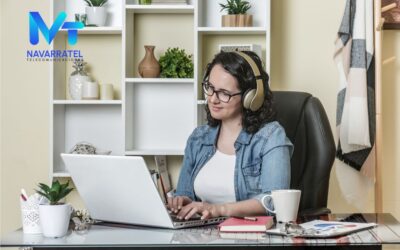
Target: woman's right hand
{"points": [[176, 203]]}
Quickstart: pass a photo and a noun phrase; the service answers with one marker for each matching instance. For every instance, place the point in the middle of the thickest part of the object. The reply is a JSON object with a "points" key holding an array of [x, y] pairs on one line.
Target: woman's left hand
{"points": [[206, 210]]}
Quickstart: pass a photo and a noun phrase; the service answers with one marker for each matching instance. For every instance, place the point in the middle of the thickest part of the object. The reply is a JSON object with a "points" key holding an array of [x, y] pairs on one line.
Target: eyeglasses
{"points": [[222, 95]]}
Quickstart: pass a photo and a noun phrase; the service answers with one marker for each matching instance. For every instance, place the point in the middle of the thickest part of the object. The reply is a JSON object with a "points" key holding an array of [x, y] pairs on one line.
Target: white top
{"points": [[215, 181]]}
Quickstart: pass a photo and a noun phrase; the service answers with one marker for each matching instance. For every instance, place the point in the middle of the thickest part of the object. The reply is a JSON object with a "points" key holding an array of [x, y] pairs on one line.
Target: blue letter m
{"points": [[36, 23]]}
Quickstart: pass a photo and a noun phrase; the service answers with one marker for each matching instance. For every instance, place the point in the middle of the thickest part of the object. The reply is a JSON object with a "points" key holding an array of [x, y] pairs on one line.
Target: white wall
{"points": [[24, 110]]}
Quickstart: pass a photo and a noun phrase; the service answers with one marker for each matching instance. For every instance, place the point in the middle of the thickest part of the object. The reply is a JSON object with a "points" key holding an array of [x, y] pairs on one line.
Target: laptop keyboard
{"points": [[175, 219]]}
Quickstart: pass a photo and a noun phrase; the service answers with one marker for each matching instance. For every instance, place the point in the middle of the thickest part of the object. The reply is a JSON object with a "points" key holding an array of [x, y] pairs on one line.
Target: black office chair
{"points": [[307, 127]]}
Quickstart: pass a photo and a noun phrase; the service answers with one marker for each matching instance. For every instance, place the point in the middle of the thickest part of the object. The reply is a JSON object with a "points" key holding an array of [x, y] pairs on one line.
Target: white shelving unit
{"points": [[150, 116], [96, 121]]}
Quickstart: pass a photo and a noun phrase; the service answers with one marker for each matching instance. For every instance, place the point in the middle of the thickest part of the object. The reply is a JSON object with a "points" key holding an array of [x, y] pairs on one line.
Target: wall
{"points": [[24, 110], [303, 33]]}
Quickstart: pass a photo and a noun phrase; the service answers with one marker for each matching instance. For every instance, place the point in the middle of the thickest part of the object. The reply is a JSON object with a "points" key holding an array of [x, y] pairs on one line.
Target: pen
{"points": [[23, 197], [245, 218]]}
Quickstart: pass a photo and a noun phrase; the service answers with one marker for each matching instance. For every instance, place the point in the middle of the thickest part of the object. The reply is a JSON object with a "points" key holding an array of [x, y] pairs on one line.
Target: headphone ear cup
{"points": [[248, 98]]}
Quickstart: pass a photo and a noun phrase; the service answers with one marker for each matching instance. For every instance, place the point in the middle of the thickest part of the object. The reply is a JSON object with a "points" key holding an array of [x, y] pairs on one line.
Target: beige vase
{"points": [[149, 66]]}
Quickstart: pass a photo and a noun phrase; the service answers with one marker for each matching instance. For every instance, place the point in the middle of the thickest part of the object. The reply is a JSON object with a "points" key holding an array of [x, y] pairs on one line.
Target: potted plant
{"points": [[54, 217], [175, 63], [237, 16], [96, 12], [145, 2]]}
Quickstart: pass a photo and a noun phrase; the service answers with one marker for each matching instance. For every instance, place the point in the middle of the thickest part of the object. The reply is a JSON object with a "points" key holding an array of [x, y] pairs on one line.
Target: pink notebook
{"points": [[242, 225]]}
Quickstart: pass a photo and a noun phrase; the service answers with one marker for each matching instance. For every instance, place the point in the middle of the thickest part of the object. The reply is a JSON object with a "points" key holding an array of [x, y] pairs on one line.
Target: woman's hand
{"points": [[176, 203], [206, 210]]}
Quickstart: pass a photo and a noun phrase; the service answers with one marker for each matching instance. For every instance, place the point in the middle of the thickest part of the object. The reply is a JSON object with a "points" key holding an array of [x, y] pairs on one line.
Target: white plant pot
{"points": [[54, 219], [96, 16]]}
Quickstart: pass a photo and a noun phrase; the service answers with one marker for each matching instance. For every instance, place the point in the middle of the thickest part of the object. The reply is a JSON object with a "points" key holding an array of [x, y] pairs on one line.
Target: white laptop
{"points": [[120, 189]]}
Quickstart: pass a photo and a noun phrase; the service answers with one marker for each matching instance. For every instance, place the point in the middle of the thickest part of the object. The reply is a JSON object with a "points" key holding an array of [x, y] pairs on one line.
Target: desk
{"points": [[388, 232]]}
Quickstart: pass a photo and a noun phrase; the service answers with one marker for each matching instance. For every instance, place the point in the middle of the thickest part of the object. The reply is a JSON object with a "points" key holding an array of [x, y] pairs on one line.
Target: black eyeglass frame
{"points": [[218, 91]]}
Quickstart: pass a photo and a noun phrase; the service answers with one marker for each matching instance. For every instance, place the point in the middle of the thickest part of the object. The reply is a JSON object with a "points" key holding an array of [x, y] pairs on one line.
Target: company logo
{"points": [[36, 23]]}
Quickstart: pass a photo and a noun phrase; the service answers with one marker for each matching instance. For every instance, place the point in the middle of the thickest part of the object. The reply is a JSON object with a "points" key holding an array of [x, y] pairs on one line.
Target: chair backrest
{"points": [[308, 128]]}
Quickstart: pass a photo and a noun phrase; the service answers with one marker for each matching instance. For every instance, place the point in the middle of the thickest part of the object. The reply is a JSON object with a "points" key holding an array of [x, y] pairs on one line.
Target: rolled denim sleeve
{"points": [[275, 170]]}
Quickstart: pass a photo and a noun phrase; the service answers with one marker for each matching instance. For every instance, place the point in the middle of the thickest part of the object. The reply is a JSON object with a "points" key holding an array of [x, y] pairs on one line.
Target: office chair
{"points": [[306, 124]]}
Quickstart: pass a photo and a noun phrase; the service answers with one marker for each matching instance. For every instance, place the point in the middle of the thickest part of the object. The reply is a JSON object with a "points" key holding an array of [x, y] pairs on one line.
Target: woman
{"points": [[241, 154]]}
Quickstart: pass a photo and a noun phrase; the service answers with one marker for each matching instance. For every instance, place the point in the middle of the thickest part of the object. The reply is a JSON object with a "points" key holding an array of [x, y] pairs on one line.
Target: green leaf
{"points": [[54, 193], [96, 3], [174, 62], [235, 7]]}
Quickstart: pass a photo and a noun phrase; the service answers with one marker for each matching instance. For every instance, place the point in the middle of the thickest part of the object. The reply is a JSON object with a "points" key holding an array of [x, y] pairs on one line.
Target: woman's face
{"points": [[221, 80]]}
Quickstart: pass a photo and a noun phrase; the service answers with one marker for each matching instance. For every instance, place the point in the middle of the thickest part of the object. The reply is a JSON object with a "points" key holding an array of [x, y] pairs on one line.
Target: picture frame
{"points": [[392, 17]]}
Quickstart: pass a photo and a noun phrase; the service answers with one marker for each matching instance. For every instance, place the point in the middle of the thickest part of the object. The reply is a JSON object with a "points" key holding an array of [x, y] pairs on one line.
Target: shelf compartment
{"points": [[160, 9], [114, 9], [210, 14], [99, 52], [100, 125], [140, 32], [159, 116]]}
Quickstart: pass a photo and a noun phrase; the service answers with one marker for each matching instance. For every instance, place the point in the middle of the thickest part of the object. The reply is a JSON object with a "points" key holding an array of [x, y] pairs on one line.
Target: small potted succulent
{"points": [[54, 217], [237, 14], [96, 12], [175, 63]]}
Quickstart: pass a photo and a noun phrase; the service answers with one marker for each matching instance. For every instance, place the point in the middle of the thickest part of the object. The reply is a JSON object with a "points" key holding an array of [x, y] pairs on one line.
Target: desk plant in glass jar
{"points": [[77, 79]]}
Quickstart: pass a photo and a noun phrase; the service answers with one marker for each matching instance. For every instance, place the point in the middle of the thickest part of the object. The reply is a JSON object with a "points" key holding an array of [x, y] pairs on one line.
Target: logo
{"points": [[36, 23]]}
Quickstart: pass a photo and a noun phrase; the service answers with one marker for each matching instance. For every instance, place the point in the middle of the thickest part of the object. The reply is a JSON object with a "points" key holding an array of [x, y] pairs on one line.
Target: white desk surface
{"points": [[388, 232]]}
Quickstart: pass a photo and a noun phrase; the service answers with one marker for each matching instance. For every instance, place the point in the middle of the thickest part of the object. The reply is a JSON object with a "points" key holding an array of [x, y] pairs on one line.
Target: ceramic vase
{"points": [[77, 79], [149, 66]]}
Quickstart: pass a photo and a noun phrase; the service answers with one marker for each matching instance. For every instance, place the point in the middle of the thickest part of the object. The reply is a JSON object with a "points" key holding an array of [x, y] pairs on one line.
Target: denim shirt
{"points": [[262, 161]]}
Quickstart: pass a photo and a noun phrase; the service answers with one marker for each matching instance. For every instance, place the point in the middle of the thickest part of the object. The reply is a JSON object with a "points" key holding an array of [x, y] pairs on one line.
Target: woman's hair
{"points": [[238, 67]]}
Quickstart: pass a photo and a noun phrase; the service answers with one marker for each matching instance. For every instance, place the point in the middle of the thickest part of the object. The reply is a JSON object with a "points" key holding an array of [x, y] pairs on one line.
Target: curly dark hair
{"points": [[238, 67]]}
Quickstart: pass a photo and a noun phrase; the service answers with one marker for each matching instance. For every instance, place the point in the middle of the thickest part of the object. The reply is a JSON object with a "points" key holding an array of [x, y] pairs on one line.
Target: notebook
{"points": [[239, 225], [123, 191]]}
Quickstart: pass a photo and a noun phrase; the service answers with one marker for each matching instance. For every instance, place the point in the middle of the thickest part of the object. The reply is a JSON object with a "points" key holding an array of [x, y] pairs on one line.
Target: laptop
{"points": [[119, 189]]}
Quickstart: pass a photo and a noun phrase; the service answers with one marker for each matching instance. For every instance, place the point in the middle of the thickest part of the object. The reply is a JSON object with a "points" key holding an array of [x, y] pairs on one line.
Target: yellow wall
{"points": [[303, 33]]}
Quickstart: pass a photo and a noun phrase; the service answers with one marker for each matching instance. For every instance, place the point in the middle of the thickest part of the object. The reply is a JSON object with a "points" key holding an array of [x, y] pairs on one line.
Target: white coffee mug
{"points": [[286, 204]]}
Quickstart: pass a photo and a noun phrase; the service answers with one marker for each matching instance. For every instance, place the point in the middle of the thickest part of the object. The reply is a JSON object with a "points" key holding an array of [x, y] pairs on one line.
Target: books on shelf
{"points": [[158, 182], [239, 225], [162, 169]]}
